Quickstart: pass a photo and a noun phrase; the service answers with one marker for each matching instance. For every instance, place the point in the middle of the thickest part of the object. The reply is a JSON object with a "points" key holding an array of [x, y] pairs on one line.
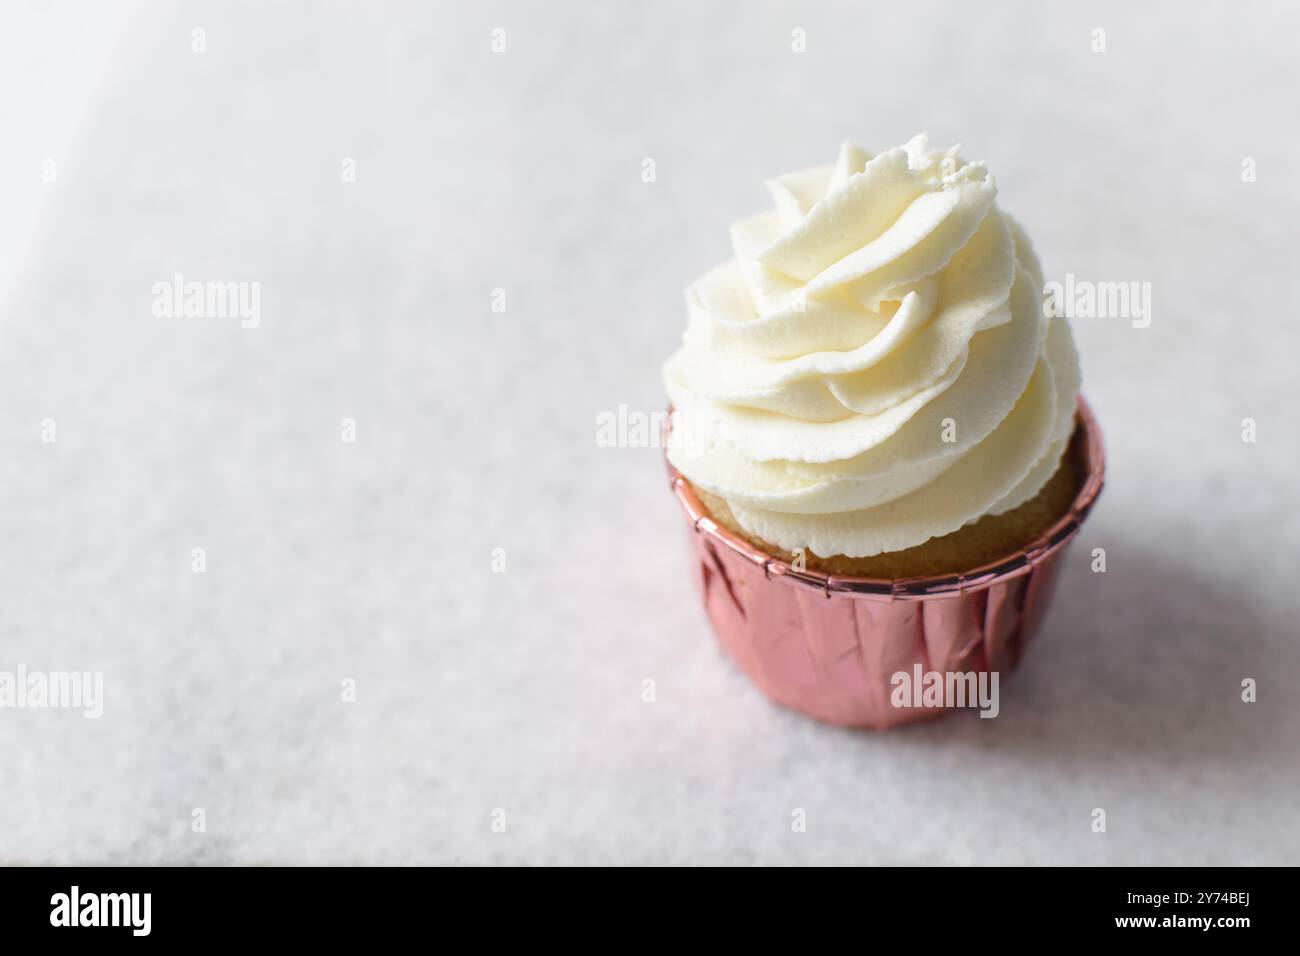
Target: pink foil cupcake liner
{"points": [[828, 645]]}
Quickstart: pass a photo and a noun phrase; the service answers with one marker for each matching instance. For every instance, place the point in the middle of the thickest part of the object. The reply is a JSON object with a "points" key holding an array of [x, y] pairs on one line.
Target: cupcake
{"points": [[877, 437]]}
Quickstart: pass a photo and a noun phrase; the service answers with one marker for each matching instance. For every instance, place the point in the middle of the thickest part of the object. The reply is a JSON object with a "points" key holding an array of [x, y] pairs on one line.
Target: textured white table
{"points": [[371, 561]]}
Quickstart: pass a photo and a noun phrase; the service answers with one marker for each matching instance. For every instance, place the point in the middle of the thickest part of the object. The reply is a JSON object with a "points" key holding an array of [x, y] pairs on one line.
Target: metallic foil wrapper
{"points": [[829, 645]]}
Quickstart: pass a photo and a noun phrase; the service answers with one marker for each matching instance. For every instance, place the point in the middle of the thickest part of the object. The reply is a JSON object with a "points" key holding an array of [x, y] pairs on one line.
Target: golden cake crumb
{"points": [[982, 542]]}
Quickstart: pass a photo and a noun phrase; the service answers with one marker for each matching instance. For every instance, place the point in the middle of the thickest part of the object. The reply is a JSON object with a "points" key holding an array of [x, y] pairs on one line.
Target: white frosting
{"points": [[874, 367]]}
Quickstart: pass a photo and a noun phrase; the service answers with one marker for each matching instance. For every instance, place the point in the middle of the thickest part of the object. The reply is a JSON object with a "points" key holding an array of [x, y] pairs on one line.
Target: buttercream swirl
{"points": [[874, 367]]}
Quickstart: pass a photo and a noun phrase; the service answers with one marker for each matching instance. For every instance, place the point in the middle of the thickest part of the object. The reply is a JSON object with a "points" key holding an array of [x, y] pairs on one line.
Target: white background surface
{"points": [[371, 560]]}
